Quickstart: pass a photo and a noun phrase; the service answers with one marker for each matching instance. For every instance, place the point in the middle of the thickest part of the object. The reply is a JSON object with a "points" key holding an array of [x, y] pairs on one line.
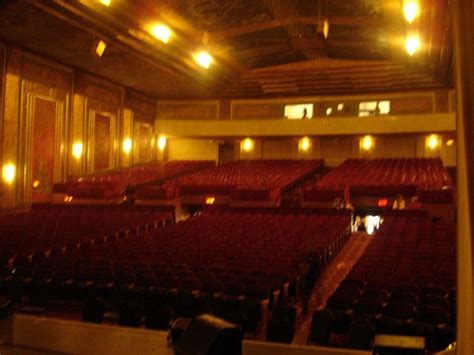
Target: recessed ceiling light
{"points": [[204, 59], [160, 31], [99, 48], [105, 2]]}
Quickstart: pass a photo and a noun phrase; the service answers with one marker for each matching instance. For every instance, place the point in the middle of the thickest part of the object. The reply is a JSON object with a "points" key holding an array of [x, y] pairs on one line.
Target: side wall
{"points": [[57, 122]]}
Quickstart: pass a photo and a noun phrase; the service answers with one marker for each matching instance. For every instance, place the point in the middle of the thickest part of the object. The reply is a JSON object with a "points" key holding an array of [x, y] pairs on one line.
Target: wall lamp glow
{"points": [[162, 143], [412, 43], [411, 10], [8, 173], [433, 142], [304, 144], [367, 143], [247, 145], [127, 145], [77, 149]]}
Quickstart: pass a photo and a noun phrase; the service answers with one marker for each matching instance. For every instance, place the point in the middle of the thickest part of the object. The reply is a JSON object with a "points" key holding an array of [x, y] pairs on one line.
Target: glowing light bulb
{"points": [[450, 142]]}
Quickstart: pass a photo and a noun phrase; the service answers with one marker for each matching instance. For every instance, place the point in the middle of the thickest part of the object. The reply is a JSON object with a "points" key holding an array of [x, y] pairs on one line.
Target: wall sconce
{"points": [[127, 145], [367, 143], [304, 144], [77, 149], [247, 145], [162, 143], [8, 173], [411, 10], [432, 142]]}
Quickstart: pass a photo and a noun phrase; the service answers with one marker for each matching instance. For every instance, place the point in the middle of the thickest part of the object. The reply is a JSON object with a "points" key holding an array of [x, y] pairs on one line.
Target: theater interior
{"points": [[236, 177]]}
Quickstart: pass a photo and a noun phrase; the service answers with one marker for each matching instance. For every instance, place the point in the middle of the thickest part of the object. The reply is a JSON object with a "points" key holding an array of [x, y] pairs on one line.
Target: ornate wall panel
{"points": [[43, 148], [101, 141], [43, 139], [143, 138], [102, 107]]}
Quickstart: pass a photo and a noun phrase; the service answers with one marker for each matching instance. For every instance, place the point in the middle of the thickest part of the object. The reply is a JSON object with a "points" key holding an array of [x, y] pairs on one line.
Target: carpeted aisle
{"points": [[329, 280]]}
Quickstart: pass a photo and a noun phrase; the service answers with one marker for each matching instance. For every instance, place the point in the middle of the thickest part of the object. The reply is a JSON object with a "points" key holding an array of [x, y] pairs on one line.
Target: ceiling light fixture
{"points": [[105, 2], [204, 59], [160, 32], [98, 48]]}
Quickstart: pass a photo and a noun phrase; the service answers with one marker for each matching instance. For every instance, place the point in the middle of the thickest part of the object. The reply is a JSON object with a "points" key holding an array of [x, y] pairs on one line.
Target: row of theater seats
{"points": [[424, 177], [50, 230], [112, 184], [226, 263], [403, 284], [259, 180]]}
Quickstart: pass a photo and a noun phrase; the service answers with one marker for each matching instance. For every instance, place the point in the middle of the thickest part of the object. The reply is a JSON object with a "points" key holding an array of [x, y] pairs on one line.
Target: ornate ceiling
{"points": [[261, 47]]}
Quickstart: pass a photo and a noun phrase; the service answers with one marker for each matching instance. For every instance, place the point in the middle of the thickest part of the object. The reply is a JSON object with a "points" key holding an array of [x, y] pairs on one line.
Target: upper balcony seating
{"points": [[386, 178], [256, 180]]}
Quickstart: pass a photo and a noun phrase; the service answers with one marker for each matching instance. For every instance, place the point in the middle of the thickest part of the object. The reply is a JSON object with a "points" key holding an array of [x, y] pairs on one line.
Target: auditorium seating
{"points": [[387, 177], [259, 180], [231, 263], [404, 283], [113, 184]]}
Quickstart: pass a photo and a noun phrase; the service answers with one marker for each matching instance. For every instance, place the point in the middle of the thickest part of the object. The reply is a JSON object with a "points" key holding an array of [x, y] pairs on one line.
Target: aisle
{"points": [[329, 280]]}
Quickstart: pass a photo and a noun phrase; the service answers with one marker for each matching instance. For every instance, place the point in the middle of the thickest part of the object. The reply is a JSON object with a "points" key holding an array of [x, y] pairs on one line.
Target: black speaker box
{"points": [[209, 335]]}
